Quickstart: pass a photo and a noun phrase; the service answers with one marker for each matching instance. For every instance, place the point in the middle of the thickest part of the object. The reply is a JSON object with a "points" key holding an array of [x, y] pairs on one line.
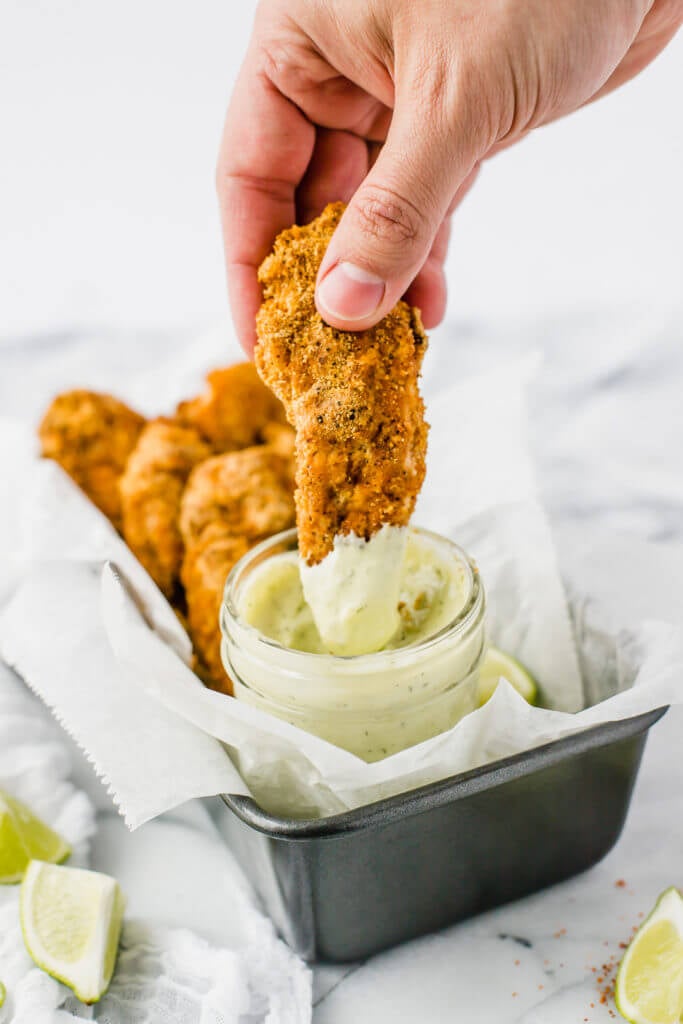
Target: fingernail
{"points": [[349, 292]]}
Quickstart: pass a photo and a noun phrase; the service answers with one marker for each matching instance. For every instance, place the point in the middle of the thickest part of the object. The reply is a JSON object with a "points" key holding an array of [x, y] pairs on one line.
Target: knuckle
{"points": [[285, 61], [432, 75], [383, 215], [237, 188], [278, 59]]}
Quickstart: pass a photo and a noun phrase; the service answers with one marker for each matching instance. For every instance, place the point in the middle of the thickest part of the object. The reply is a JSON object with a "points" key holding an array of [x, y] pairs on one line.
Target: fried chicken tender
{"points": [[91, 436], [231, 502], [353, 398], [234, 411], [281, 439], [204, 576], [151, 488], [242, 494]]}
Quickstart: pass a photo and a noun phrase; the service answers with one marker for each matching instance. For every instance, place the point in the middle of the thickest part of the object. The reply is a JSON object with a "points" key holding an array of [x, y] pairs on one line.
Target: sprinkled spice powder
{"points": [[605, 974]]}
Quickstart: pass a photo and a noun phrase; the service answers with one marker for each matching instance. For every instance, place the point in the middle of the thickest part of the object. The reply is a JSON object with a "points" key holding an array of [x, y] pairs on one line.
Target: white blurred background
{"points": [[110, 116]]}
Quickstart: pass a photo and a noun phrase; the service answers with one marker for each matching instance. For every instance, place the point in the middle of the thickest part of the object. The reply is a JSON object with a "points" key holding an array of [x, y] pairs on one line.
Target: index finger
{"points": [[266, 147]]}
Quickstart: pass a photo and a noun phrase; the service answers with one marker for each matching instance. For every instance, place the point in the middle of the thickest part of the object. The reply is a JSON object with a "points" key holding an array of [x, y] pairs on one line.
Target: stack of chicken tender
{"points": [[189, 493]]}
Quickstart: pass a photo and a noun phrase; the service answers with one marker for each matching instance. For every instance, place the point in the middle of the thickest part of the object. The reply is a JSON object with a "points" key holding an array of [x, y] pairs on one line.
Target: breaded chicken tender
{"points": [[281, 439], [242, 494], [353, 398], [151, 488], [91, 436], [204, 576], [234, 410], [231, 502]]}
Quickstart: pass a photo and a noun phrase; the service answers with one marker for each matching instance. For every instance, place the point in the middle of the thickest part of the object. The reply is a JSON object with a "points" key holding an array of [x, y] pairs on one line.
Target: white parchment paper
{"points": [[94, 637]]}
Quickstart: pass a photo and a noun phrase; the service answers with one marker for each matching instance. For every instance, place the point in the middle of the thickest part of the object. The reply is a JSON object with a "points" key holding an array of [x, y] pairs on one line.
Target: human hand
{"points": [[391, 106]]}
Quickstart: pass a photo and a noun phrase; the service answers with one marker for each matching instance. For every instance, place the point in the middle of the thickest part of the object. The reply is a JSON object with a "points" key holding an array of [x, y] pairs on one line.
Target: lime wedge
{"points": [[497, 664], [24, 837], [649, 988], [71, 920], [3, 993]]}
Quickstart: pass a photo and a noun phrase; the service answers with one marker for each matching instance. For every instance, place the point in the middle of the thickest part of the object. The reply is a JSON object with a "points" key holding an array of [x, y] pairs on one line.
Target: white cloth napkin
{"points": [[163, 976]]}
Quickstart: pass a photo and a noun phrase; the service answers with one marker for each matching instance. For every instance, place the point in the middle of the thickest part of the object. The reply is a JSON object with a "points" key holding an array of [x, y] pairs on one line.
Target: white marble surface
{"points": [[607, 426]]}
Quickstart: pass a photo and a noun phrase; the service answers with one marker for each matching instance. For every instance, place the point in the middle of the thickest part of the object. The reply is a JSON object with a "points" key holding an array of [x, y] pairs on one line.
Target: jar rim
{"points": [[459, 624]]}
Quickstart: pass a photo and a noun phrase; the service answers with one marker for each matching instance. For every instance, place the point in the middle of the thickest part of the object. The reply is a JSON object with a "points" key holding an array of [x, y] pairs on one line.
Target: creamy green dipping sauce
{"points": [[433, 590]]}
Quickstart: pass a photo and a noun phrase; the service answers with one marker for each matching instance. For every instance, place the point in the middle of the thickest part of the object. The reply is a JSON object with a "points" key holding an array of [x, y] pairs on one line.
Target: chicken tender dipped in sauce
{"points": [[361, 438]]}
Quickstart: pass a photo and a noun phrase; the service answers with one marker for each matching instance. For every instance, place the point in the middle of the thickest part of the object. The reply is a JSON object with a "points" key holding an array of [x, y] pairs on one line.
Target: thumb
{"points": [[388, 228]]}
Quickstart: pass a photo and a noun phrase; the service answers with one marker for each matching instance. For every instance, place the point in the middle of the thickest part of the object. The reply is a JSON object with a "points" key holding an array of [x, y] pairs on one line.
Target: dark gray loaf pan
{"points": [[347, 886]]}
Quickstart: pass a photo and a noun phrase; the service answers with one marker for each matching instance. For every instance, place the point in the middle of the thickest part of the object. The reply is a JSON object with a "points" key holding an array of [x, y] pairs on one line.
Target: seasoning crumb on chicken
{"points": [[352, 397], [91, 436], [151, 488], [231, 502]]}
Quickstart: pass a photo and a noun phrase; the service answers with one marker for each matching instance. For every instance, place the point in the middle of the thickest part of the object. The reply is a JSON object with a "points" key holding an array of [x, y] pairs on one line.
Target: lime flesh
{"points": [[649, 987], [71, 920], [24, 837], [497, 664]]}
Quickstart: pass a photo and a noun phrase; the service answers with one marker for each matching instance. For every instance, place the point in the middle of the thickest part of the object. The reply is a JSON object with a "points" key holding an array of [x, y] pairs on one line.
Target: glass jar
{"points": [[371, 704]]}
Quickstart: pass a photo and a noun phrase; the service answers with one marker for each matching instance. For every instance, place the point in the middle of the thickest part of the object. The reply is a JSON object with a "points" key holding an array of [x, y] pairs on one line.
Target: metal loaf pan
{"points": [[344, 887]]}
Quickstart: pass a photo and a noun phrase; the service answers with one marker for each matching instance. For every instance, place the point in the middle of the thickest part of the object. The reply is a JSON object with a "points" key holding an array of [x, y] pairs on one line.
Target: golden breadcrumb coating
{"points": [[230, 503], [244, 494], [151, 488], [204, 576], [352, 397], [281, 438], [91, 436], [234, 410]]}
